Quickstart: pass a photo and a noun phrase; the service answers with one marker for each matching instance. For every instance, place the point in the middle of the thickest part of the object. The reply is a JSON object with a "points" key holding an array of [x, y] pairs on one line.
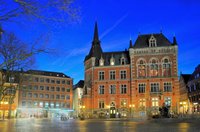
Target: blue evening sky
{"points": [[117, 21]]}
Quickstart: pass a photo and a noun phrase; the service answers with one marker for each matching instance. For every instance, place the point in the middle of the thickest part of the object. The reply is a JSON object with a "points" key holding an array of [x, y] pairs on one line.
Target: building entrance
{"points": [[112, 110]]}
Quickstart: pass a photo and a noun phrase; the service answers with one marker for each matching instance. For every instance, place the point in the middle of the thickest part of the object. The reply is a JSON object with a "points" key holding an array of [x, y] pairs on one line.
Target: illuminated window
{"points": [[52, 105], [155, 102], [168, 101], [142, 103], [41, 104], [101, 62], [112, 61]]}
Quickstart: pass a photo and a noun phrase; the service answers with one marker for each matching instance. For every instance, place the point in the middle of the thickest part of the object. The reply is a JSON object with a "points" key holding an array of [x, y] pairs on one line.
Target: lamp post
{"points": [[131, 108]]}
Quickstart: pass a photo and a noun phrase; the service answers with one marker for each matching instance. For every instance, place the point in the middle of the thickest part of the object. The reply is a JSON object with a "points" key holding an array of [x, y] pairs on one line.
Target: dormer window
{"points": [[152, 41], [112, 61], [101, 62], [123, 62]]}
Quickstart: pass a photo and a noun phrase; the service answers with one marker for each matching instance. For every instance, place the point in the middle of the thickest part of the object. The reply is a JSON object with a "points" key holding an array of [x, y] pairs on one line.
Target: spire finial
{"points": [[174, 40], [96, 36]]}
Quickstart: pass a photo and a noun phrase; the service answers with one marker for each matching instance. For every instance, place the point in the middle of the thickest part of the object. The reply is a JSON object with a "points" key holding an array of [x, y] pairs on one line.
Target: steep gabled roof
{"points": [[143, 40], [186, 77], [96, 49]]}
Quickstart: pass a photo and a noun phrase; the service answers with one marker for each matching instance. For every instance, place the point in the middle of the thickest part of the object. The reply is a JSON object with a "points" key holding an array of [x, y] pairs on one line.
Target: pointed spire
{"points": [[95, 50], [130, 44], [174, 41], [96, 36]]}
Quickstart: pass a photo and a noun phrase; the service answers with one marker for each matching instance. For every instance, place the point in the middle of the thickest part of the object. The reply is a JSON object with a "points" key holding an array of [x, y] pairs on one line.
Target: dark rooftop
{"points": [[143, 40], [186, 77], [47, 73], [80, 84]]}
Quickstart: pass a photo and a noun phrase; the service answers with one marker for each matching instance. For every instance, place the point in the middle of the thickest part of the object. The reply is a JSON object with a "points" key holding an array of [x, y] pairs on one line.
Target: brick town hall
{"points": [[134, 82]]}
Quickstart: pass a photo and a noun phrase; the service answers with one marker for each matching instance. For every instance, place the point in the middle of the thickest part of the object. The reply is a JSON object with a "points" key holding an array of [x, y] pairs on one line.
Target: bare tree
{"points": [[14, 56], [44, 10]]}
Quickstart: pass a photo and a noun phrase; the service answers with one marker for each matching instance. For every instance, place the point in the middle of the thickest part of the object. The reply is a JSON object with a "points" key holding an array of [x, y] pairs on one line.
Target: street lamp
{"points": [[131, 107]]}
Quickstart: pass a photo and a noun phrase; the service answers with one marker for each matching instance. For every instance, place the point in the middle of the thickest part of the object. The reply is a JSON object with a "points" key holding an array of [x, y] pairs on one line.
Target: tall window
{"points": [[141, 69], [101, 75], [153, 68], [101, 104], [112, 89], [155, 87], [101, 62], [123, 74], [166, 68], [101, 89], [168, 101], [123, 62], [41, 87], [123, 89], [155, 102], [41, 79], [142, 103], [152, 42], [167, 87], [112, 75], [112, 61], [141, 87]]}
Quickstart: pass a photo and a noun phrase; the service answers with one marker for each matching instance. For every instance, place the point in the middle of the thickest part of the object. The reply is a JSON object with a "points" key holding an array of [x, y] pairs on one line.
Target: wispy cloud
{"points": [[63, 59], [114, 26]]}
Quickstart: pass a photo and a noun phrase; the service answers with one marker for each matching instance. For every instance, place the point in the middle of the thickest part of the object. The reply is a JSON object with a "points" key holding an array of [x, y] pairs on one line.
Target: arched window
{"points": [[123, 62], [166, 67], [101, 62], [152, 41], [153, 68], [112, 61], [141, 68]]}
